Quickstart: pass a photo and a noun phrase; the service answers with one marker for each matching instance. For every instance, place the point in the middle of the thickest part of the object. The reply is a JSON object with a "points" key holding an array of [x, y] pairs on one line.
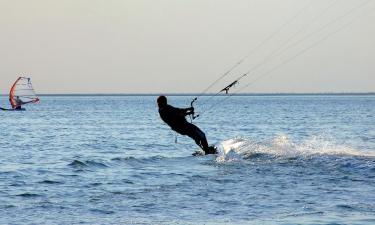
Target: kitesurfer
{"points": [[175, 118]]}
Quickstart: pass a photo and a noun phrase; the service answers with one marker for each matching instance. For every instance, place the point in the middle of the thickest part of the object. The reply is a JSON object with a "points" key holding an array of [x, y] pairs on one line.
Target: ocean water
{"points": [[110, 160]]}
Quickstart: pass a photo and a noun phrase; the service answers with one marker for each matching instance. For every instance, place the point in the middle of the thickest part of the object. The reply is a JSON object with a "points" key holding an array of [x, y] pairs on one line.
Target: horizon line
{"points": [[207, 94]]}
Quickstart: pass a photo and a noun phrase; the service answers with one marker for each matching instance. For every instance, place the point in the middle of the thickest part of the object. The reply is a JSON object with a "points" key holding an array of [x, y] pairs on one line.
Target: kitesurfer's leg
{"points": [[200, 138]]}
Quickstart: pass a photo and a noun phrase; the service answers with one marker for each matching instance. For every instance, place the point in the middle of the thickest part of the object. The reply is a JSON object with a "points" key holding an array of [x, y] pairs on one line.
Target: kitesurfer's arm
{"points": [[187, 111], [179, 112]]}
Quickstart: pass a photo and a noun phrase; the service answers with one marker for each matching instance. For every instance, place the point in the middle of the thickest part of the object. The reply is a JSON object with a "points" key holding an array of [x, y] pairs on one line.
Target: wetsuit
{"points": [[175, 118]]}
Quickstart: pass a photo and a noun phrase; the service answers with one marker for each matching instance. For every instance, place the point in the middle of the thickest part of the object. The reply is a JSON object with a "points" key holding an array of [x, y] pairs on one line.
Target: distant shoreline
{"points": [[211, 94]]}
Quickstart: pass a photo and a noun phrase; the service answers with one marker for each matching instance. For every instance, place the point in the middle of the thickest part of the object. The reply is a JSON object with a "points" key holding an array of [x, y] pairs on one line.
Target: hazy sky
{"points": [[169, 46]]}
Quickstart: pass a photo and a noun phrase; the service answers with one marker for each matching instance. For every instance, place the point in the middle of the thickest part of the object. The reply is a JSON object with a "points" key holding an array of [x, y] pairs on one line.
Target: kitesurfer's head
{"points": [[162, 101]]}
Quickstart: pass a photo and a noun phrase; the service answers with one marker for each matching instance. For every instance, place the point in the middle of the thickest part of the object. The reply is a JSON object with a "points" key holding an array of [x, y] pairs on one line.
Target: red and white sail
{"points": [[22, 92]]}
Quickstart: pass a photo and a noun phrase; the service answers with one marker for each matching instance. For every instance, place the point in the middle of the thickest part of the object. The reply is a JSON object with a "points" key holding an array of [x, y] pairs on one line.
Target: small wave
{"points": [[96, 164], [89, 163], [345, 207], [28, 195], [101, 211], [7, 206], [122, 159], [304, 214], [50, 182], [362, 207], [281, 146], [77, 163], [140, 159], [95, 184], [118, 192], [126, 181]]}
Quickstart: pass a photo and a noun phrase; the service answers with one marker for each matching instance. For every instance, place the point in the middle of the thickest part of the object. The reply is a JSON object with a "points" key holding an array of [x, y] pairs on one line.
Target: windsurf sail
{"points": [[22, 92]]}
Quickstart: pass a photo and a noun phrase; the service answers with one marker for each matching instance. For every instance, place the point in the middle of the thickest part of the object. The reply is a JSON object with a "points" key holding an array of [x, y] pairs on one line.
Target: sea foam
{"points": [[281, 146]]}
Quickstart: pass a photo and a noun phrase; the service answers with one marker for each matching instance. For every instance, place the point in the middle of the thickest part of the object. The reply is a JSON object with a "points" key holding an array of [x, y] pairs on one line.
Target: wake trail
{"points": [[237, 149]]}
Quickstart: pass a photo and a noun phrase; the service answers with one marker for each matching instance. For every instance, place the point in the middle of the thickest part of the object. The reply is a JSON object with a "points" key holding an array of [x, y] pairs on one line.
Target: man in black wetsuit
{"points": [[175, 118]]}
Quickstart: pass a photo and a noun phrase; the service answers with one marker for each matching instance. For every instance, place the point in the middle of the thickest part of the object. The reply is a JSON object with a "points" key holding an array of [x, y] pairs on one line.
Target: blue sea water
{"points": [[297, 159]]}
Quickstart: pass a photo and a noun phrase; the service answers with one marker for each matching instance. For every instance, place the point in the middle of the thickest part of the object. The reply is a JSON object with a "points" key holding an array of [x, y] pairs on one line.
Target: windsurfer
{"points": [[21, 93], [19, 103]]}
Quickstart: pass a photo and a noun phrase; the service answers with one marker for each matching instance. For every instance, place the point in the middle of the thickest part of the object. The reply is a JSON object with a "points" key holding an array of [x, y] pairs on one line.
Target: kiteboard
{"points": [[211, 150]]}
